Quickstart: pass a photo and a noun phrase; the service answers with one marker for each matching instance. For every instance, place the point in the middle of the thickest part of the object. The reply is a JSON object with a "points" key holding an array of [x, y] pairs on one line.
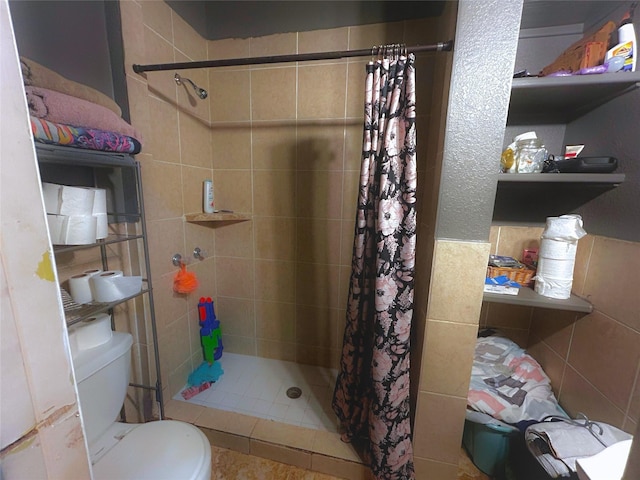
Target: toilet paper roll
{"points": [[51, 194], [90, 333], [56, 227], [80, 230], [76, 200], [128, 285], [91, 272], [99, 201], [556, 268], [551, 287], [564, 227], [80, 288], [104, 288], [102, 225]]}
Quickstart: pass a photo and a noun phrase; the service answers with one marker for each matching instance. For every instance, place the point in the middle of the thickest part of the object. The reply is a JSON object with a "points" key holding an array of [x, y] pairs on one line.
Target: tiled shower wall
{"points": [[282, 143], [593, 360]]}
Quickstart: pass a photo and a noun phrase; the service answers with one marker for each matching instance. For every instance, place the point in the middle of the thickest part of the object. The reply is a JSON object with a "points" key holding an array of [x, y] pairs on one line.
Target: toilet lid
{"points": [[158, 450]]}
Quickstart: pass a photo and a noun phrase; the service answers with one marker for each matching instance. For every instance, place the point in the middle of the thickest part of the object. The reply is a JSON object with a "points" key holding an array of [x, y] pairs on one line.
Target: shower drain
{"points": [[294, 392]]}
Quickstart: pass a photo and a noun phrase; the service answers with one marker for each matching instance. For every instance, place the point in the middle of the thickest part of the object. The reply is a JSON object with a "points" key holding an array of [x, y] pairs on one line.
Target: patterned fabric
{"points": [[79, 137], [371, 396]]}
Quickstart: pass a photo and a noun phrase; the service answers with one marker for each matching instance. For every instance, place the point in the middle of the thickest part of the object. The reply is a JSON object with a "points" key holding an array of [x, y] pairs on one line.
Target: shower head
{"points": [[201, 92]]}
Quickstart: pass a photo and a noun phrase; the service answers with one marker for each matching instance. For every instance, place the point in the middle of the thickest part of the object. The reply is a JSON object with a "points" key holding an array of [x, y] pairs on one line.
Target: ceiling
{"points": [[215, 19]]}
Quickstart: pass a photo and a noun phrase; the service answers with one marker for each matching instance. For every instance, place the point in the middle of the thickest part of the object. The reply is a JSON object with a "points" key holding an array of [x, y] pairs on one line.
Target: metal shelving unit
{"points": [[85, 167]]}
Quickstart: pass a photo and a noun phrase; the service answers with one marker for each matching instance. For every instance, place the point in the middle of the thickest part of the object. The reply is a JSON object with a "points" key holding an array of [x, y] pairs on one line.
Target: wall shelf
{"points": [[527, 297], [547, 100], [532, 197], [219, 217]]}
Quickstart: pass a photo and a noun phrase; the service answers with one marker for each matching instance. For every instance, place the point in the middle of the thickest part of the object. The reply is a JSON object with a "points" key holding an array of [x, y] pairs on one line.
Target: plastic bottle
{"points": [[207, 197], [627, 46]]}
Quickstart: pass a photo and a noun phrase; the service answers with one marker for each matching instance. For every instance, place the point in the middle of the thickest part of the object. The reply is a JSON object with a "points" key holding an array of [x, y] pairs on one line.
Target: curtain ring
{"points": [[374, 52]]}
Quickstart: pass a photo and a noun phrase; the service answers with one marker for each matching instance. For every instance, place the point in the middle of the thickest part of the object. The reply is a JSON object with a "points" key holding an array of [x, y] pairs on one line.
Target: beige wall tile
{"points": [[317, 285], [365, 36], [168, 304], [157, 15], [236, 277], [236, 315], [321, 194], [329, 444], [320, 147], [182, 411], [318, 240], [277, 44], [317, 326], [437, 432], [634, 405], [274, 193], [220, 439], [290, 456], [276, 321], [453, 297], [275, 281], [242, 345], [275, 238], [165, 238], [229, 422], [514, 239], [614, 263], [426, 468], [447, 370], [322, 91], [200, 236], [324, 357], [273, 146], [195, 143], [234, 104], [131, 21], [509, 316], [177, 378], [159, 50], [235, 240], [577, 395], [326, 40], [273, 94], [232, 190], [421, 31], [283, 434], [276, 350], [494, 234], [606, 353], [231, 147], [162, 183], [351, 186], [187, 40], [554, 328], [229, 48], [163, 141], [174, 345], [356, 75], [139, 108], [581, 267]]}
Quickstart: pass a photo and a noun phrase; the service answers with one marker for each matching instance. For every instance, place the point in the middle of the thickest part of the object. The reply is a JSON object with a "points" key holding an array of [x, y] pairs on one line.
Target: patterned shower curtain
{"points": [[371, 397]]}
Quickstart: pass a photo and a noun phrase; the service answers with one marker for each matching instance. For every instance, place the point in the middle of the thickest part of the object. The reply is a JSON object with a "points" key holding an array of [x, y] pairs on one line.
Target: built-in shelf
{"points": [[527, 297], [532, 197], [546, 100], [217, 217]]}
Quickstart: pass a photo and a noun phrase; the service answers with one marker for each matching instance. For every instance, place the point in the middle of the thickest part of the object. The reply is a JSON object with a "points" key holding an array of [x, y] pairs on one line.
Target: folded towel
{"points": [[78, 137], [36, 75], [61, 108]]}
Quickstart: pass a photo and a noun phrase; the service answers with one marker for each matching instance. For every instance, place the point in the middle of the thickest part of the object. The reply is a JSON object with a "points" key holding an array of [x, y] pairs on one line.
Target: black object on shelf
{"points": [[587, 165]]}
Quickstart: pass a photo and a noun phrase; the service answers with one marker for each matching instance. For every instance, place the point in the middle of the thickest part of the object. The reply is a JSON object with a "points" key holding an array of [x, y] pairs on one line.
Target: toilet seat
{"points": [[165, 449]]}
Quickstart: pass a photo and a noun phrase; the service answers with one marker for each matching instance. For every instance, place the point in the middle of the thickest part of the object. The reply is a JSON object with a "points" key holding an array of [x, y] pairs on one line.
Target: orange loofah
{"points": [[184, 282]]}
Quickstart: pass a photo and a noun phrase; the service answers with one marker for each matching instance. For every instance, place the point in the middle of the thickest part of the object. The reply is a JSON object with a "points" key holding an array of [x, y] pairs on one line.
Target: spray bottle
{"points": [[627, 46]]}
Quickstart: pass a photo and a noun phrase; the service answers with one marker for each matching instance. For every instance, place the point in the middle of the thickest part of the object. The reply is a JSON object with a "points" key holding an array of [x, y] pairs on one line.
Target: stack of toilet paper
{"points": [[75, 215], [103, 287], [90, 333]]}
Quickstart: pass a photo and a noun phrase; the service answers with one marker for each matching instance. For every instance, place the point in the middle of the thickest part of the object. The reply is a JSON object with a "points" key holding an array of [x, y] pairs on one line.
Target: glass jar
{"points": [[530, 155]]}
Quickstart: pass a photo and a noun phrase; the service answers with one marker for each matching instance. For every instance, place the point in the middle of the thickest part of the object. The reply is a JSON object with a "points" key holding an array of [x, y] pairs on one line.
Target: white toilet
{"points": [[164, 449]]}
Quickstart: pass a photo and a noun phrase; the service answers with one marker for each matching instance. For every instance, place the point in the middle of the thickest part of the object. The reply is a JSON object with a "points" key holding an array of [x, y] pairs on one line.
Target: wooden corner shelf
{"points": [[220, 217]]}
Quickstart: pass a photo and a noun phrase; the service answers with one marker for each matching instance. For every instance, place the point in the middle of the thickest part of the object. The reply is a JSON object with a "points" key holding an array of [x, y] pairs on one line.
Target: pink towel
{"points": [[61, 108]]}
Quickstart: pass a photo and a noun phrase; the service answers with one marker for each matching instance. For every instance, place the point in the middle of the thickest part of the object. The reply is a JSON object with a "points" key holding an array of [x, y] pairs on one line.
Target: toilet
{"points": [[165, 449]]}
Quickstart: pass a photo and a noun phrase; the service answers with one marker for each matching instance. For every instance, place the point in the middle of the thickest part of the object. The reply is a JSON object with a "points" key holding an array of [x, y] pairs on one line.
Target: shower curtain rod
{"points": [[300, 57]]}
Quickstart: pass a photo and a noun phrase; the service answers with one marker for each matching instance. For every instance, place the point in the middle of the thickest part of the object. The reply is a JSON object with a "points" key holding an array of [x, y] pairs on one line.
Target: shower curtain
{"points": [[371, 397]]}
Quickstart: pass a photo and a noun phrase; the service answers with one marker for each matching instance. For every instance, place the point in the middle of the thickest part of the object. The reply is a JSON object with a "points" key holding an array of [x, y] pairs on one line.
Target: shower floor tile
{"points": [[258, 387]]}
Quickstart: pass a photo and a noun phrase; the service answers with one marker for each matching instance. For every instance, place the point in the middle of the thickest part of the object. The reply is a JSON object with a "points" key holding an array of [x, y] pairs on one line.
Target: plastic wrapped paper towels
{"points": [[557, 254]]}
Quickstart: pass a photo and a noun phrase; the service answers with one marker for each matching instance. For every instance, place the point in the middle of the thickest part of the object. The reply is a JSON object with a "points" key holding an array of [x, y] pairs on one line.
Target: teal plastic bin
{"points": [[488, 445]]}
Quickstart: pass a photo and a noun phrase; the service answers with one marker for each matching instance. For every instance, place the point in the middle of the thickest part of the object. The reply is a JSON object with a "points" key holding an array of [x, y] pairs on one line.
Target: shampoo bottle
{"points": [[207, 197], [627, 46]]}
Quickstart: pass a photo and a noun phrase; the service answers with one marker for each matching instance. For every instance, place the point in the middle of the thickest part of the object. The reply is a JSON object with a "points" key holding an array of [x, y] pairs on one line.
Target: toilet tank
{"points": [[102, 375]]}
